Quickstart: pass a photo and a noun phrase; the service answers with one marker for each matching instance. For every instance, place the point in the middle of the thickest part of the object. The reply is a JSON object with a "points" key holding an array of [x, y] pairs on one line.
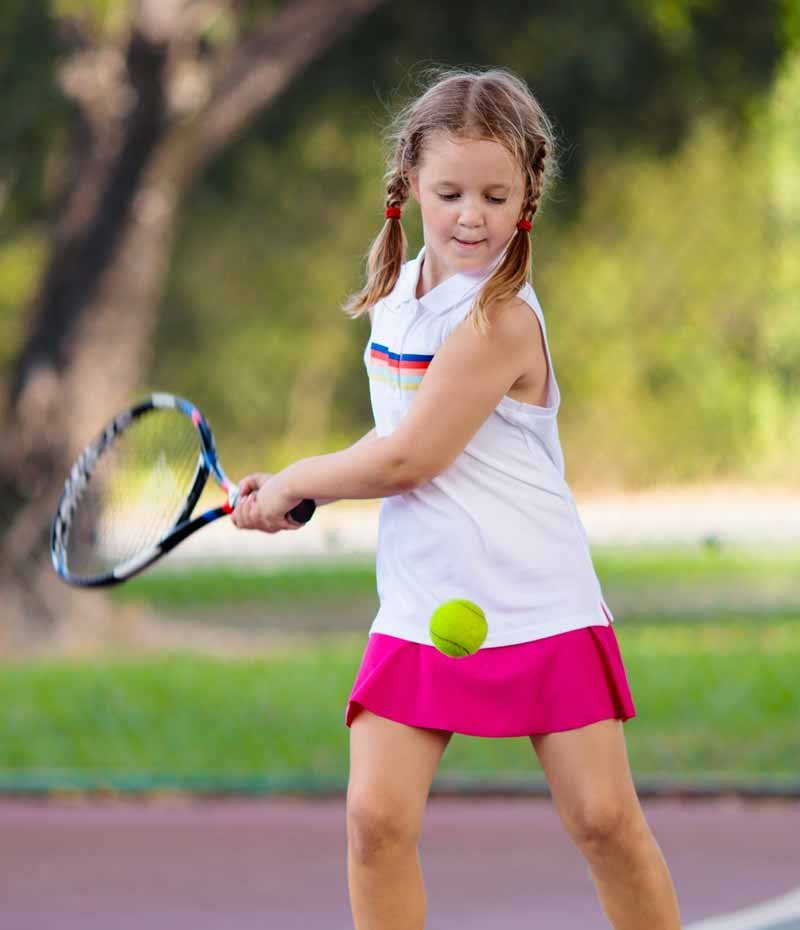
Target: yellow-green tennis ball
{"points": [[458, 628]]}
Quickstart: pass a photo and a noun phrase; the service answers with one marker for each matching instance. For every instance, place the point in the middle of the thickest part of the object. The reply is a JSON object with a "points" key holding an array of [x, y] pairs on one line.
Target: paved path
{"points": [[734, 514], [280, 864]]}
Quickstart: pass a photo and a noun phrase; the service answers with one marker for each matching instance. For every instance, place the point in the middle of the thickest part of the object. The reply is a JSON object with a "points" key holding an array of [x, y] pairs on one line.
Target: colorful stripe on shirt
{"points": [[404, 372]]}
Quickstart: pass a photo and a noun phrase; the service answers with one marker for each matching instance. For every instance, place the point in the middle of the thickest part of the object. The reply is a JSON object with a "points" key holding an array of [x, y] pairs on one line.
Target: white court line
{"points": [[761, 916]]}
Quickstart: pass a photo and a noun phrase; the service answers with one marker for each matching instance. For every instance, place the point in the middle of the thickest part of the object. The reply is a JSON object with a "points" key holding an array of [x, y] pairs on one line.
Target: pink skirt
{"points": [[561, 682]]}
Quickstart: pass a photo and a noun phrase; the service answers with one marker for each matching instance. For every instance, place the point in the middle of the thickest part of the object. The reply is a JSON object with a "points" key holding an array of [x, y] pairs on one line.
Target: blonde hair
{"points": [[493, 104]]}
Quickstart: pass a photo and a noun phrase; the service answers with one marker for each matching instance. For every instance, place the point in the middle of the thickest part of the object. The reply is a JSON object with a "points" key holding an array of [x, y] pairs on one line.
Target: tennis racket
{"points": [[129, 496]]}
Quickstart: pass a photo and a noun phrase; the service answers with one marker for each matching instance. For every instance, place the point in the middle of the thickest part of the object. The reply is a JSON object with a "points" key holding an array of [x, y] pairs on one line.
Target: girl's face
{"points": [[470, 192]]}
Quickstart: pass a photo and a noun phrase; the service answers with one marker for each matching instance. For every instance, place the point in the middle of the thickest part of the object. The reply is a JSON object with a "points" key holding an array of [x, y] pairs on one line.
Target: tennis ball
{"points": [[458, 628]]}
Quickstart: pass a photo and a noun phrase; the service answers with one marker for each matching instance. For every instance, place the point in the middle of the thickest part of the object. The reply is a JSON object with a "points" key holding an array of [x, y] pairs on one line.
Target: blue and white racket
{"points": [[129, 496]]}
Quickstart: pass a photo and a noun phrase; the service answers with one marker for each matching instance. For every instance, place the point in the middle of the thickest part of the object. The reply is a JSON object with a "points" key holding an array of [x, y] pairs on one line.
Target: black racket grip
{"points": [[303, 512]]}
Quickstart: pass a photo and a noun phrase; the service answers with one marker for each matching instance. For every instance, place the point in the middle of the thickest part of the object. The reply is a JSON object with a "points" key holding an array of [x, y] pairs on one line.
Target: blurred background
{"points": [[188, 191]]}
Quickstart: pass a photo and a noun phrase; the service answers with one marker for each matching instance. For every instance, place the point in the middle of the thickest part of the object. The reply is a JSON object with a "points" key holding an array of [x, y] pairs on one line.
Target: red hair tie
{"points": [[524, 225], [393, 213]]}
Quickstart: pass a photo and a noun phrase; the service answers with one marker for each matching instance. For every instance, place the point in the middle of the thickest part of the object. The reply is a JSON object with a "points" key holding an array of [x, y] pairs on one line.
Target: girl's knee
{"points": [[377, 825], [604, 821]]}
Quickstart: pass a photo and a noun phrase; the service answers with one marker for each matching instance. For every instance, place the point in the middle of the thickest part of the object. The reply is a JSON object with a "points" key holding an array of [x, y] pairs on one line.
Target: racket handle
{"points": [[303, 512]]}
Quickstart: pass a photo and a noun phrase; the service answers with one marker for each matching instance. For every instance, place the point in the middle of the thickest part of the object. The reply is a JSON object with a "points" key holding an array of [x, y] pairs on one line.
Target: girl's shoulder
{"points": [[528, 294]]}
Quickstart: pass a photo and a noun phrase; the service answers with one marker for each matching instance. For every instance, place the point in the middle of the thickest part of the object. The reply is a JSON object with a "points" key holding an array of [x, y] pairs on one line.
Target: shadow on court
{"points": [[281, 863]]}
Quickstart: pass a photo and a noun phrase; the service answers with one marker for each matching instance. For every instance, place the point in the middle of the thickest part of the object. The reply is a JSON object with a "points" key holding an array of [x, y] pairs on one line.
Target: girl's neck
{"points": [[431, 277], [424, 286]]}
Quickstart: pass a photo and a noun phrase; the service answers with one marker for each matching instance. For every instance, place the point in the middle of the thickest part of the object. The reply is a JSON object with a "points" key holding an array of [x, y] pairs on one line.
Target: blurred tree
{"points": [[158, 88], [147, 96], [276, 230]]}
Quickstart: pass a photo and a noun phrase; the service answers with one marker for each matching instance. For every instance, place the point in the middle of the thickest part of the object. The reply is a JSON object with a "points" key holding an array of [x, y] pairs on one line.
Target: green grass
{"points": [[714, 696], [711, 657], [635, 566], [301, 585]]}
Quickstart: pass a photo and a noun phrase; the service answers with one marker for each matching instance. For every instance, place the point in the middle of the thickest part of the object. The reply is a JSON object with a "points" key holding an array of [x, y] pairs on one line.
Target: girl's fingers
{"points": [[251, 483], [248, 484], [241, 512]]}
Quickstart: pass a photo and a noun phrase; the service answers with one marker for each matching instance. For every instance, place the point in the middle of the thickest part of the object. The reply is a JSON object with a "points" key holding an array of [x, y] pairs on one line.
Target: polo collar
{"points": [[446, 295]]}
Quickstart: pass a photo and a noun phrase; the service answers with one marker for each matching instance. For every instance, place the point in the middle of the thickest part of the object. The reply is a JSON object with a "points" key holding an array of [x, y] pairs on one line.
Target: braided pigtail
{"points": [[388, 251]]}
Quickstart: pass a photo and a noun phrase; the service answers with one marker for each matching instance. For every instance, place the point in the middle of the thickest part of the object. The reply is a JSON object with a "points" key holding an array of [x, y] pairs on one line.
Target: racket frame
{"points": [[83, 467]]}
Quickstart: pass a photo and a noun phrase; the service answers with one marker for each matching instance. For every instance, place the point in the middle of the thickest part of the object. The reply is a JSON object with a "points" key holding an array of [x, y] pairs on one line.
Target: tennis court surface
{"points": [[281, 863]]}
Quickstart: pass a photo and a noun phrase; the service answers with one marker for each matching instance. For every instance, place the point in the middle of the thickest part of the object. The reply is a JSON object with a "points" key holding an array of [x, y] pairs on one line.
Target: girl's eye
{"points": [[492, 199]]}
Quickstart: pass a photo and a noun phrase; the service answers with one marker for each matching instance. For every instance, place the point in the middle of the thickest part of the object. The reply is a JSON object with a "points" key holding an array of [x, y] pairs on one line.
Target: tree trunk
{"points": [[93, 319], [96, 308]]}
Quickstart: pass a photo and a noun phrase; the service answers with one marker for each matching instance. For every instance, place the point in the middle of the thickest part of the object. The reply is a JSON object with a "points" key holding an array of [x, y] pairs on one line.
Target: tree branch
{"points": [[263, 65]]}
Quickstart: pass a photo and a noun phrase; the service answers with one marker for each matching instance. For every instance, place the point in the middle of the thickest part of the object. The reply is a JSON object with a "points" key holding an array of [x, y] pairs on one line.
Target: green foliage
{"points": [[666, 262], [789, 23], [90, 11], [670, 334], [222, 27], [673, 19], [21, 260], [776, 439], [32, 110], [660, 300], [252, 329]]}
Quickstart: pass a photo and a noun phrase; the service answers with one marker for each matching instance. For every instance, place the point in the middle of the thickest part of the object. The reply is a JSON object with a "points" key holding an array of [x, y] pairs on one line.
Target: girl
{"points": [[466, 456]]}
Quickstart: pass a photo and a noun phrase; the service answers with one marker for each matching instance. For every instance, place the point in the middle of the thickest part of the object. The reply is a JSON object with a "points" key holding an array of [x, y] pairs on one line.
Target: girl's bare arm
{"points": [[372, 434]]}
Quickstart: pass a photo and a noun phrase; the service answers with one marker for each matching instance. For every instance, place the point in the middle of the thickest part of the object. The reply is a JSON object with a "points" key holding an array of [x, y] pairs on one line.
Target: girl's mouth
{"points": [[468, 245]]}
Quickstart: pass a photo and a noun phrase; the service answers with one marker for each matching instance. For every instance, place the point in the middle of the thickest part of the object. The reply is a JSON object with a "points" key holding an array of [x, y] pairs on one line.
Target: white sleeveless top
{"points": [[499, 525]]}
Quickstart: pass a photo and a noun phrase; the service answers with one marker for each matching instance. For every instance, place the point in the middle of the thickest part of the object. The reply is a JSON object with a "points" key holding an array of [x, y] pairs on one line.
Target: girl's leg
{"points": [[593, 791], [391, 769]]}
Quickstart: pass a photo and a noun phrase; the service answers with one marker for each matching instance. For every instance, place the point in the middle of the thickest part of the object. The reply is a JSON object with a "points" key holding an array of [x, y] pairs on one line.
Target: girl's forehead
{"points": [[446, 157]]}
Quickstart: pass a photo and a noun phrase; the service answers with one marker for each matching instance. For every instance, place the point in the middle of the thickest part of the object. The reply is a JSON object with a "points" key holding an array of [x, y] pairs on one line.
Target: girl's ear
{"points": [[413, 183]]}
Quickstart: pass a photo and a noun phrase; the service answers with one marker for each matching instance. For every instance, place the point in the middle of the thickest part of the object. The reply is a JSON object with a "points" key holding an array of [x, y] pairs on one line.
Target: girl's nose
{"points": [[471, 212], [471, 217]]}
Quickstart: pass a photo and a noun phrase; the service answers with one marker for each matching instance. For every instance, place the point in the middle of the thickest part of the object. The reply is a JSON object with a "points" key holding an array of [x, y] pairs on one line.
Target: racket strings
{"points": [[157, 503], [135, 493]]}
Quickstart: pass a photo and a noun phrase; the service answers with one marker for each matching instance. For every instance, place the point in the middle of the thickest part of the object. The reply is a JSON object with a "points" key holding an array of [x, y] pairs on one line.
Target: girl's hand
{"points": [[263, 503]]}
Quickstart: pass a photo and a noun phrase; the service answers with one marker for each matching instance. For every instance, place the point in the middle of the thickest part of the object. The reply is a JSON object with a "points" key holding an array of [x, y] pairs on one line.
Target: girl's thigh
{"points": [[391, 768], [589, 776]]}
